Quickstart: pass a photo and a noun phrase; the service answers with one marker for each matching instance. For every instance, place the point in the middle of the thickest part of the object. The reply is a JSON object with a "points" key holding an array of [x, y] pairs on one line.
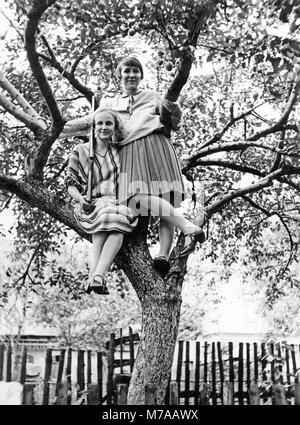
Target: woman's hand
{"points": [[84, 203], [170, 115]]}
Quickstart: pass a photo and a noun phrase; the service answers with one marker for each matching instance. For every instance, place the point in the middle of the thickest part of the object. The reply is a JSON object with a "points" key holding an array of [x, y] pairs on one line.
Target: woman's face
{"points": [[104, 126], [130, 77]]}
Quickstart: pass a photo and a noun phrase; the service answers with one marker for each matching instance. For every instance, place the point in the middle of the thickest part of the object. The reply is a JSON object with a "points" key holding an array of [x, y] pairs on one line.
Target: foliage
{"points": [[53, 294]]}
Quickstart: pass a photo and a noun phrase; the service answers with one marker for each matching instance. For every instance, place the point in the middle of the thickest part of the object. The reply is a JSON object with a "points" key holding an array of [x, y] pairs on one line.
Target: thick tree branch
{"points": [[255, 187], [30, 122], [12, 23], [20, 99], [39, 156], [225, 164], [183, 71], [34, 15], [37, 196], [230, 147]]}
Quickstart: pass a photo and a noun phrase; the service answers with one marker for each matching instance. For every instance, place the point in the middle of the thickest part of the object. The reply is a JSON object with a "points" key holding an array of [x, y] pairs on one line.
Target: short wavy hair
{"points": [[119, 130], [129, 61]]}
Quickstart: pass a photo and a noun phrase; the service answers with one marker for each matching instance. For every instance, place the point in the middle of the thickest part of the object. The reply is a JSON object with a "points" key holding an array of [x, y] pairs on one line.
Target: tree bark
{"points": [[160, 319], [160, 303]]}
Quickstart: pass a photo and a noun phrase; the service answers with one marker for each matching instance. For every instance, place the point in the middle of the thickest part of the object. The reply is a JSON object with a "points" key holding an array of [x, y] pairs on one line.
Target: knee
{"points": [[140, 204]]}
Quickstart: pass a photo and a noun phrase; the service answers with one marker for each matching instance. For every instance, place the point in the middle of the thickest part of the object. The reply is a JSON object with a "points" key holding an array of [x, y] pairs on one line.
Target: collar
{"points": [[127, 95]]}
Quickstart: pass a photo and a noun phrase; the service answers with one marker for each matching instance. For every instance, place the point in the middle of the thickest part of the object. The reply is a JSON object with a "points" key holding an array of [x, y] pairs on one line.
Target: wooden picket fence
{"points": [[62, 385], [242, 373], [203, 373]]}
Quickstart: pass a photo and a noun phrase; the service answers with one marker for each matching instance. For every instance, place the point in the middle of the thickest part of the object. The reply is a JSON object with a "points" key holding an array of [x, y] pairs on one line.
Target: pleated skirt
{"points": [[150, 166], [107, 216]]}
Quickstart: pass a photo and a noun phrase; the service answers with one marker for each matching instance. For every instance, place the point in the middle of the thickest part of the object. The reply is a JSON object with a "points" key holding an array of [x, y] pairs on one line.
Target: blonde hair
{"points": [[119, 131]]}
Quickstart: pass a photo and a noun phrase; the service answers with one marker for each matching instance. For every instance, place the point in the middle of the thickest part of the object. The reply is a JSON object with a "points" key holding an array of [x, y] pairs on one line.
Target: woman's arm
{"points": [[77, 127], [78, 197], [170, 114], [82, 126]]}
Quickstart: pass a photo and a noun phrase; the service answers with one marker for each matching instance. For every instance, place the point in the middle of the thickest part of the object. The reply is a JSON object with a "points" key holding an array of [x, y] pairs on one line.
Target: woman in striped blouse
{"points": [[105, 219], [150, 176]]}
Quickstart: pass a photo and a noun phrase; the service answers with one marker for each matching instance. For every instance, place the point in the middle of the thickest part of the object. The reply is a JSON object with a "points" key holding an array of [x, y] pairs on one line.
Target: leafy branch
{"points": [[26, 274], [278, 126], [271, 213], [69, 76]]}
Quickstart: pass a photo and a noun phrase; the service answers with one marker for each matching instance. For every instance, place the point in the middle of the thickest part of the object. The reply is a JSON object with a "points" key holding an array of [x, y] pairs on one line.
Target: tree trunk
{"points": [[160, 302], [160, 319]]}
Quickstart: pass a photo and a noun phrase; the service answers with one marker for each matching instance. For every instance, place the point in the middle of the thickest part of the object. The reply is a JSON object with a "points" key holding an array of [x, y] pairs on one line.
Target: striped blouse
{"points": [[105, 171]]}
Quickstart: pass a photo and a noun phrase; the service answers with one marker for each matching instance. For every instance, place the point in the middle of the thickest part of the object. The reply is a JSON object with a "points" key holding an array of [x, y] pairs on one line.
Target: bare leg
{"points": [[109, 250], [161, 208], [166, 234], [99, 239]]}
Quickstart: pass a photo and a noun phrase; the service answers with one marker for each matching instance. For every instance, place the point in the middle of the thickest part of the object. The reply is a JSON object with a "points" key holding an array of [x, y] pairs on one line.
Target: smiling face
{"points": [[130, 77], [104, 126]]}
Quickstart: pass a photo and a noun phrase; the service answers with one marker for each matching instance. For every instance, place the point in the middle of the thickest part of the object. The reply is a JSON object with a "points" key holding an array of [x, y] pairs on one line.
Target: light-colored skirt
{"points": [[150, 166], [107, 216]]}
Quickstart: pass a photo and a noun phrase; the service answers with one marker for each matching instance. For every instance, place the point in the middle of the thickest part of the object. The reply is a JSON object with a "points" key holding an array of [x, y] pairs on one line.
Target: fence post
{"points": [[9, 364], [23, 366], [174, 393], [122, 391], [179, 366], [253, 394], [131, 349], [213, 374], [69, 376], [221, 368], [228, 393], [187, 373], [1, 361], [110, 371], [278, 395], [99, 375], [60, 370], [89, 367], [241, 374], [47, 376], [197, 374], [80, 373]]}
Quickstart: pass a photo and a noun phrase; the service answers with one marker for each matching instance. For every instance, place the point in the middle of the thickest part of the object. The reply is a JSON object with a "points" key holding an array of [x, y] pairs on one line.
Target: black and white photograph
{"points": [[149, 206]]}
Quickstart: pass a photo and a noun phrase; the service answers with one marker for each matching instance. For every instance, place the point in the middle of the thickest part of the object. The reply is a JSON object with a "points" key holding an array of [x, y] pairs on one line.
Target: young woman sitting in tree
{"points": [[104, 218]]}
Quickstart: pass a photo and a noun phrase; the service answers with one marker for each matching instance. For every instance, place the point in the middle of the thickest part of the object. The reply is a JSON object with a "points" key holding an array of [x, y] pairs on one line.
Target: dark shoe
{"points": [[190, 242], [161, 265], [98, 286]]}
